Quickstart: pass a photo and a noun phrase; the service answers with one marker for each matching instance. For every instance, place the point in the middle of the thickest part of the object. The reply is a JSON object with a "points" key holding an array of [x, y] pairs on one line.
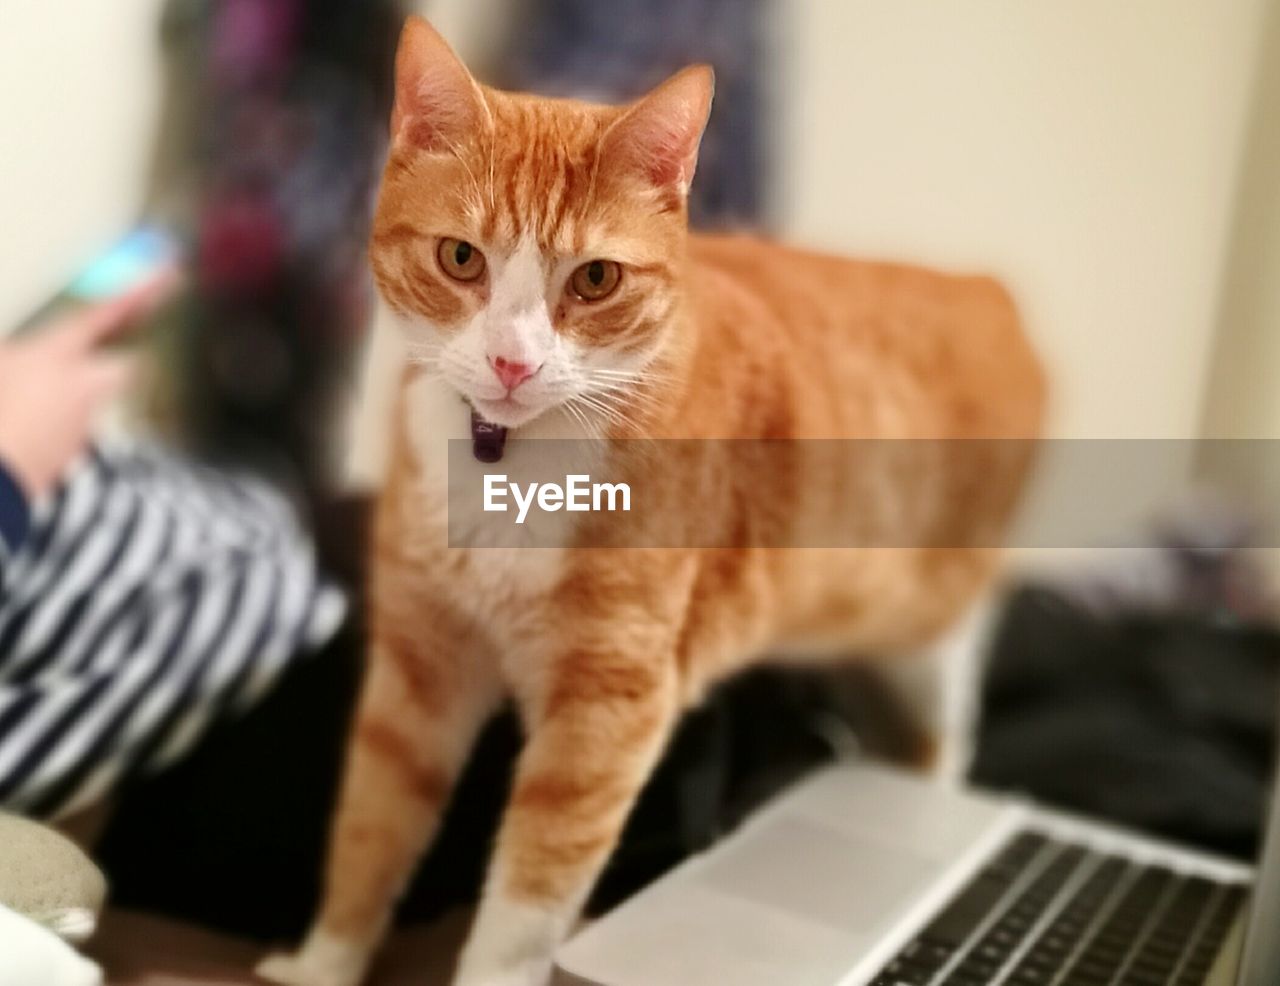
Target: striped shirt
{"points": [[143, 600]]}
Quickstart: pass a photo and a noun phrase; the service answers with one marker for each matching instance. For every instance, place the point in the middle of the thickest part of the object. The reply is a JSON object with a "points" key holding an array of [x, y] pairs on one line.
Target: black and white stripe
{"points": [[150, 597]]}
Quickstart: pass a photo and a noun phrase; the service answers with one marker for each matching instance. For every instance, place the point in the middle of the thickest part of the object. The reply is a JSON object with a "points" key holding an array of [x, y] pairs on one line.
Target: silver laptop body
{"points": [[865, 875]]}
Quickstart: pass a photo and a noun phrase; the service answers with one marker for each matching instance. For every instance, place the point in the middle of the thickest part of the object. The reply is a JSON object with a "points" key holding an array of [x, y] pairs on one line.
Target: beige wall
{"points": [[1087, 151], [1243, 398], [79, 92]]}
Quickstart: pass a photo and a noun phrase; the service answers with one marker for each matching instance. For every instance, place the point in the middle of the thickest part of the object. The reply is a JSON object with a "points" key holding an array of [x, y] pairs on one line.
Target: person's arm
{"points": [[52, 385]]}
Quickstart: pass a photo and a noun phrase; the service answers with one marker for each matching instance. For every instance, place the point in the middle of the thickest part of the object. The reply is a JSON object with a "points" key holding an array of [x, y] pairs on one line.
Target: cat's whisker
{"points": [[623, 386], [607, 372], [624, 411], [626, 396], [578, 415], [619, 381], [593, 402], [638, 383], [594, 427], [611, 413], [626, 376]]}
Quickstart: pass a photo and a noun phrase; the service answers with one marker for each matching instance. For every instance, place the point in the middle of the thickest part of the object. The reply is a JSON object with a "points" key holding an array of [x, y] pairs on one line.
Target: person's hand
{"points": [[53, 383]]}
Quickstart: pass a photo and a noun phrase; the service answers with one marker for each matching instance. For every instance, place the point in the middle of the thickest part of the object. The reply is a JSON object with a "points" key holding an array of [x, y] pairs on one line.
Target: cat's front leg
{"points": [[593, 742], [427, 692], [939, 686]]}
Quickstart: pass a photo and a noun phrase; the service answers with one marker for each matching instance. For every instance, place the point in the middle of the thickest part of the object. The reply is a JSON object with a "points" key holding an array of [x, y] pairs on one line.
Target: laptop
{"points": [[861, 875]]}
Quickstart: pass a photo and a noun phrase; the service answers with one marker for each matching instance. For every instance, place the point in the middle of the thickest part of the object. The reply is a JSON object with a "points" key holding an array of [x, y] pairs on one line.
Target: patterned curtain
{"points": [[615, 51]]}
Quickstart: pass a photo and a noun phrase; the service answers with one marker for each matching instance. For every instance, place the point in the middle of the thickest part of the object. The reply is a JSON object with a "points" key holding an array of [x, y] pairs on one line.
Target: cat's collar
{"points": [[487, 439]]}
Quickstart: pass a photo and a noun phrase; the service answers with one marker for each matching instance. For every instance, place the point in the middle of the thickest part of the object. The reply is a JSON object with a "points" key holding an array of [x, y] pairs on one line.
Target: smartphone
{"points": [[133, 260]]}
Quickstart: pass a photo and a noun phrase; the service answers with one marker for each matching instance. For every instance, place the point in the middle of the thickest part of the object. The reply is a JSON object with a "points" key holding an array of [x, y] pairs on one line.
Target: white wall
{"points": [[1084, 150], [79, 92]]}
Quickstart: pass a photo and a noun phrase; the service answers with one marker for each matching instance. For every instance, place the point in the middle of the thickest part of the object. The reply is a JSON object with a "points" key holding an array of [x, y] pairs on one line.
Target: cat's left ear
{"points": [[437, 103], [658, 135]]}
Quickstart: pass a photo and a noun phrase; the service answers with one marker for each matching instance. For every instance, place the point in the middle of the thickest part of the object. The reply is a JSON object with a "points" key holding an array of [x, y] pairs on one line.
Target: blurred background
{"points": [[1115, 165]]}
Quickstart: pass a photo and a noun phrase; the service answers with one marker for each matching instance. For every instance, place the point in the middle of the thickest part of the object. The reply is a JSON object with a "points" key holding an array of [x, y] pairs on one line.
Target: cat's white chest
{"points": [[510, 561], [481, 507]]}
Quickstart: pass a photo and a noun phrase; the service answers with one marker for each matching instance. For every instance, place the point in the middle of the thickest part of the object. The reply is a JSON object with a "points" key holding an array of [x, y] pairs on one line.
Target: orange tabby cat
{"points": [[536, 253]]}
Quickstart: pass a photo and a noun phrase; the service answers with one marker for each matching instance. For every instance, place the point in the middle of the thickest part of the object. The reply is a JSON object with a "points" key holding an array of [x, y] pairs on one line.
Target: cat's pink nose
{"points": [[510, 373]]}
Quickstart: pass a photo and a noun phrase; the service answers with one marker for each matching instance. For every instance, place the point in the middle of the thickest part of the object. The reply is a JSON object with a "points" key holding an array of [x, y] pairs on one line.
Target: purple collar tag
{"points": [[487, 439]]}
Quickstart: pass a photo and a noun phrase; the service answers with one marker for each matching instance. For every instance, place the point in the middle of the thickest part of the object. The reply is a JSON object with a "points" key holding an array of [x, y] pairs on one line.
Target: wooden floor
{"points": [[142, 950]]}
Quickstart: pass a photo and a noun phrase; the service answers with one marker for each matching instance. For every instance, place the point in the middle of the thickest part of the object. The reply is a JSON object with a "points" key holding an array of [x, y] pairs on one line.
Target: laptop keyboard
{"points": [[1048, 913]]}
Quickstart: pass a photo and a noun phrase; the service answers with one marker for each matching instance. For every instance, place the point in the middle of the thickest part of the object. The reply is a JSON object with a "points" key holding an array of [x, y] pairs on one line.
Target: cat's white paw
{"points": [[511, 944], [293, 970], [287, 969], [309, 968], [525, 974], [953, 755]]}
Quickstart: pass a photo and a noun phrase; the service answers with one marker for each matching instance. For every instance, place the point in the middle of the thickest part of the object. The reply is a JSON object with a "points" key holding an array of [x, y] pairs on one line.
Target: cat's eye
{"points": [[459, 259], [595, 280]]}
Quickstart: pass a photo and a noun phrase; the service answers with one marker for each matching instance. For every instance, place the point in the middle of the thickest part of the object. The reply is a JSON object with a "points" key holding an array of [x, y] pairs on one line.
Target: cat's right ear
{"points": [[437, 102], [658, 135]]}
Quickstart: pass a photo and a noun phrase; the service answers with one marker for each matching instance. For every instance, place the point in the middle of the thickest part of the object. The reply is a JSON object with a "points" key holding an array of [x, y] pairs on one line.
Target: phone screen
{"points": [[130, 261]]}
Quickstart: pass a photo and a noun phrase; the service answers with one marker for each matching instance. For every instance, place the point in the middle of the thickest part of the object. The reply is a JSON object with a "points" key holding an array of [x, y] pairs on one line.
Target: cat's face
{"points": [[533, 247]]}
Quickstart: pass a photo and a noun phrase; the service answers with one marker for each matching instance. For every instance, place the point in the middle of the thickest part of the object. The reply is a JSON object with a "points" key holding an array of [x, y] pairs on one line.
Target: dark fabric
{"points": [[616, 51], [1162, 723], [233, 836], [15, 513]]}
